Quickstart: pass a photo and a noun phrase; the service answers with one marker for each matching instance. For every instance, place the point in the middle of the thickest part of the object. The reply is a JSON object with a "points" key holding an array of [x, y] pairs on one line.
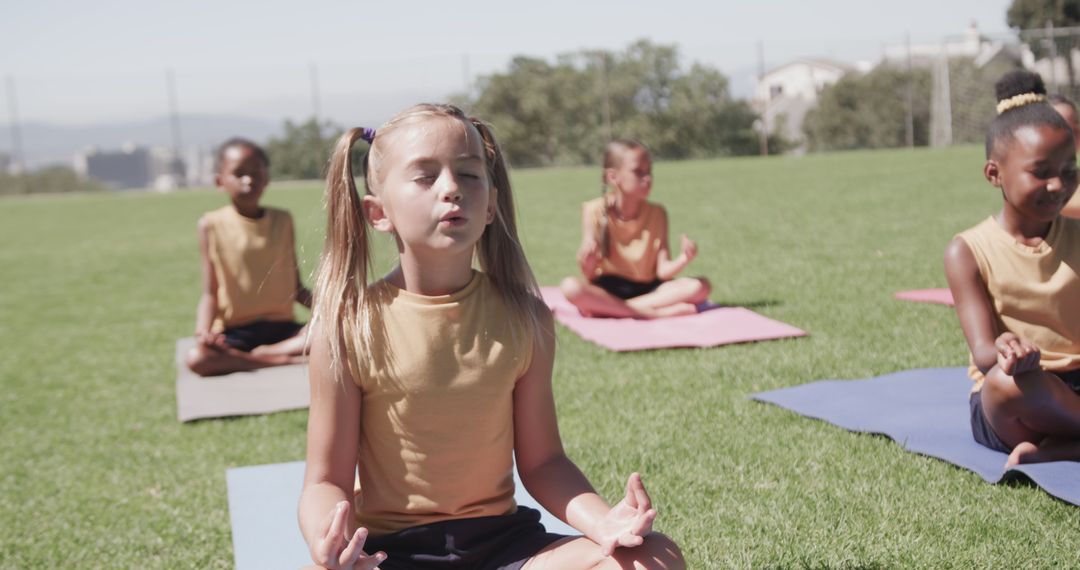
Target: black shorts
{"points": [[247, 337], [980, 426], [625, 288], [484, 543]]}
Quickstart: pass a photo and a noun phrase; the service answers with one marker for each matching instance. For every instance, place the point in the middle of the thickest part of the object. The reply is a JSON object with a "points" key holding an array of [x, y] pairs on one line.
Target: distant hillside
{"points": [[46, 143]]}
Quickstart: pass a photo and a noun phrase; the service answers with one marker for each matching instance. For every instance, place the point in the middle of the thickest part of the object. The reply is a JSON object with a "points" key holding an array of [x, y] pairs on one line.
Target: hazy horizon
{"points": [[106, 62]]}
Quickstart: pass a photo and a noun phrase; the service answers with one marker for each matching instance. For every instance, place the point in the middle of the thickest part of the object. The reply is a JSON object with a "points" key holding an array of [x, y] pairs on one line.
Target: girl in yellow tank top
{"points": [[429, 383], [1014, 278], [626, 267]]}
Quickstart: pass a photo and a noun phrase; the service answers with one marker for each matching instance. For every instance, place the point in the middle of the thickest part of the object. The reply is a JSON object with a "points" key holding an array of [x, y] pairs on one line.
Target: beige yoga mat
{"points": [[262, 391]]}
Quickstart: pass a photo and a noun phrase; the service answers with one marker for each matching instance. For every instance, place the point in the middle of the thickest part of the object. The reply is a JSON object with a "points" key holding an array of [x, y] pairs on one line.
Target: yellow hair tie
{"points": [[1019, 101]]}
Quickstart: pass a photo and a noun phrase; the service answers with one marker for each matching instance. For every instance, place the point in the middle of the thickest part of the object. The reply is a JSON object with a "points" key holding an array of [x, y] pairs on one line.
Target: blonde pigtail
{"points": [[342, 278], [500, 253], [602, 229]]}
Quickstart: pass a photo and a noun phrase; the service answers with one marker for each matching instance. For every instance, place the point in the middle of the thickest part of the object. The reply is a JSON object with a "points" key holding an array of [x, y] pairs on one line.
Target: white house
{"points": [[784, 94]]}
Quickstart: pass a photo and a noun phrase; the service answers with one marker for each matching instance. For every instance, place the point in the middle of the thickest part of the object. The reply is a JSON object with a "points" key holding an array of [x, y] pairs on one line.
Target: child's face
{"points": [[435, 192], [1068, 113], [633, 175], [1037, 172], [243, 175]]}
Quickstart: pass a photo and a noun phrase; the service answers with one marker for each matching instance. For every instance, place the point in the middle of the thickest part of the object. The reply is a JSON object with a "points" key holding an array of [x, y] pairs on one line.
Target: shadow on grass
{"points": [[1021, 480], [760, 304]]}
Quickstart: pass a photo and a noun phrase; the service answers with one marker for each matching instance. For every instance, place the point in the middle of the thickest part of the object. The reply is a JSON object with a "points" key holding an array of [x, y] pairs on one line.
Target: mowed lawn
{"points": [[95, 470]]}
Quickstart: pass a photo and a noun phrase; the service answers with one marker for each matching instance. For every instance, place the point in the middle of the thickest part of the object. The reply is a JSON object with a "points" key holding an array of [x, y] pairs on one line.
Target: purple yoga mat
{"points": [[936, 296], [712, 327], [925, 411]]}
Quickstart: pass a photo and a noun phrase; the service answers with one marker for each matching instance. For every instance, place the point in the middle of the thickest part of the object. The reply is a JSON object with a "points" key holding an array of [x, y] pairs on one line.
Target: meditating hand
{"points": [[1016, 355], [689, 248], [628, 522], [336, 551]]}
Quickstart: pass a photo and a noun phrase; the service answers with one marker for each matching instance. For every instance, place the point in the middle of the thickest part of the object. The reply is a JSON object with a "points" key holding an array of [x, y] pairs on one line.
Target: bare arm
{"points": [[303, 294], [208, 303], [976, 313], [325, 511], [588, 256], [551, 477], [667, 268]]}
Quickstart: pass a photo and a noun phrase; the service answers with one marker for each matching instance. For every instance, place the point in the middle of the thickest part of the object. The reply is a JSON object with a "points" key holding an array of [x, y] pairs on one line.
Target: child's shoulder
{"points": [[986, 228], [214, 217], [593, 204]]}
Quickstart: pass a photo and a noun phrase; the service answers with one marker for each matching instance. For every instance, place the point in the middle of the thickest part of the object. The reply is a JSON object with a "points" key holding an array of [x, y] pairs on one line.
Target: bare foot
{"points": [[261, 350], [677, 310], [1049, 449], [1024, 452]]}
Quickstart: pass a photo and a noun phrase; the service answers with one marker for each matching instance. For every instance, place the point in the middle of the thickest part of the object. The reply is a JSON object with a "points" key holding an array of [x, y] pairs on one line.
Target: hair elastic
{"points": [[1019, 101], [368, 134]]}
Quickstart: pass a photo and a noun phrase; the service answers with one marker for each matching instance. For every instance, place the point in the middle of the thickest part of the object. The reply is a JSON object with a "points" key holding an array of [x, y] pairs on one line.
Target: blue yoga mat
{"points": [[262, 512], [925, 411]]}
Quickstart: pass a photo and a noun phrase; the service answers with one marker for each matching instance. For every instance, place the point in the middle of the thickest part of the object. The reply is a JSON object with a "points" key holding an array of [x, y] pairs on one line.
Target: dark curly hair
{"points": [[1035, 113], [219, 156]]}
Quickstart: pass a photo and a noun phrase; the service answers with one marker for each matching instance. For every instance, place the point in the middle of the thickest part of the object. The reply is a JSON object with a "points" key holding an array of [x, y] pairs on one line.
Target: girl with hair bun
{"points": [[1015, 282]]}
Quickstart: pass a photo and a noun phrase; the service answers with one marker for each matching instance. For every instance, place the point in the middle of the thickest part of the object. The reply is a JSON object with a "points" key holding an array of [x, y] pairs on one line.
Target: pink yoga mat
{"points": [[938, 296], [713, 327]]}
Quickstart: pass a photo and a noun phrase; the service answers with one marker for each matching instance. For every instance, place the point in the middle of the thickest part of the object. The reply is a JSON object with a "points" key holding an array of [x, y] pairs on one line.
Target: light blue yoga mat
{"points": [[925, 411], [262, 512]]}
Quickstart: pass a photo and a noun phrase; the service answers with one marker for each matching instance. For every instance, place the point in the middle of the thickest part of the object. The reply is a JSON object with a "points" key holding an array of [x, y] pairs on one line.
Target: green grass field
{"points": [[96, 472]]}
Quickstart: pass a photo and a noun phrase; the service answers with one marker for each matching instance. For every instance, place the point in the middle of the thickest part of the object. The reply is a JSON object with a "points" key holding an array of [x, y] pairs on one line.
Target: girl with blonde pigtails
{"points": [[427, 383]]}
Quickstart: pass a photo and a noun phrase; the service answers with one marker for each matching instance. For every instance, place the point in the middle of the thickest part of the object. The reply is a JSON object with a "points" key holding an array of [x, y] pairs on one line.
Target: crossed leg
{"points": [[1035, 413], [658, 552], [217, 360], [676, 297]]}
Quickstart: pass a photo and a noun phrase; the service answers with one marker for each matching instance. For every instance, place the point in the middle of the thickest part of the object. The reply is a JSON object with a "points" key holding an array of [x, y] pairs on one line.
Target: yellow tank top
{"points": [[1034, 289], [437, 426], [255, 266], [633, 245]]}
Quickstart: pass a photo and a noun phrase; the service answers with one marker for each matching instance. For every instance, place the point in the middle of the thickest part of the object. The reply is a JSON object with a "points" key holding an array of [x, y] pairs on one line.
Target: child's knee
{"points": [[1003, 389], [196, 360], [572, 288], [694, 289], [704, 287], [657, 552]]}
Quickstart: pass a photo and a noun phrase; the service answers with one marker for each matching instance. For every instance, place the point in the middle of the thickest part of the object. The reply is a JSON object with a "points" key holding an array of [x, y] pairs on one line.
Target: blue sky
{"points": [[89, 62]]}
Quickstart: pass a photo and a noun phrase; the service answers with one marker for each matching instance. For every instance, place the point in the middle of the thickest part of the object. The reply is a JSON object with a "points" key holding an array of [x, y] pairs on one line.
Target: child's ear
{"points": [[609, 176], [376, 214], [217, 180], [992, 172]]}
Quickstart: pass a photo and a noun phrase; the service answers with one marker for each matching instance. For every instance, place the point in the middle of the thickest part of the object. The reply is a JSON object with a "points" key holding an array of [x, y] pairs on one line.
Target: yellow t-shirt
{"points": [[436, 428], [255, 265], [633, 245], [1035, 290]]}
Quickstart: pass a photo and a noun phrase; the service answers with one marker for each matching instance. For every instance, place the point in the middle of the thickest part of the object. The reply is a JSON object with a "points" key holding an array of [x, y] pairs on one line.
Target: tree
{"points": [[869, 111], [303, 151], [972, 92], [562, 112], [51, 179], [1035, 14]]}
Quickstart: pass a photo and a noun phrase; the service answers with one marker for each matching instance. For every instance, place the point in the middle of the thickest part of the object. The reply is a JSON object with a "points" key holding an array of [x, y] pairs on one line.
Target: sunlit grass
{"points": [[96, 471]]}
